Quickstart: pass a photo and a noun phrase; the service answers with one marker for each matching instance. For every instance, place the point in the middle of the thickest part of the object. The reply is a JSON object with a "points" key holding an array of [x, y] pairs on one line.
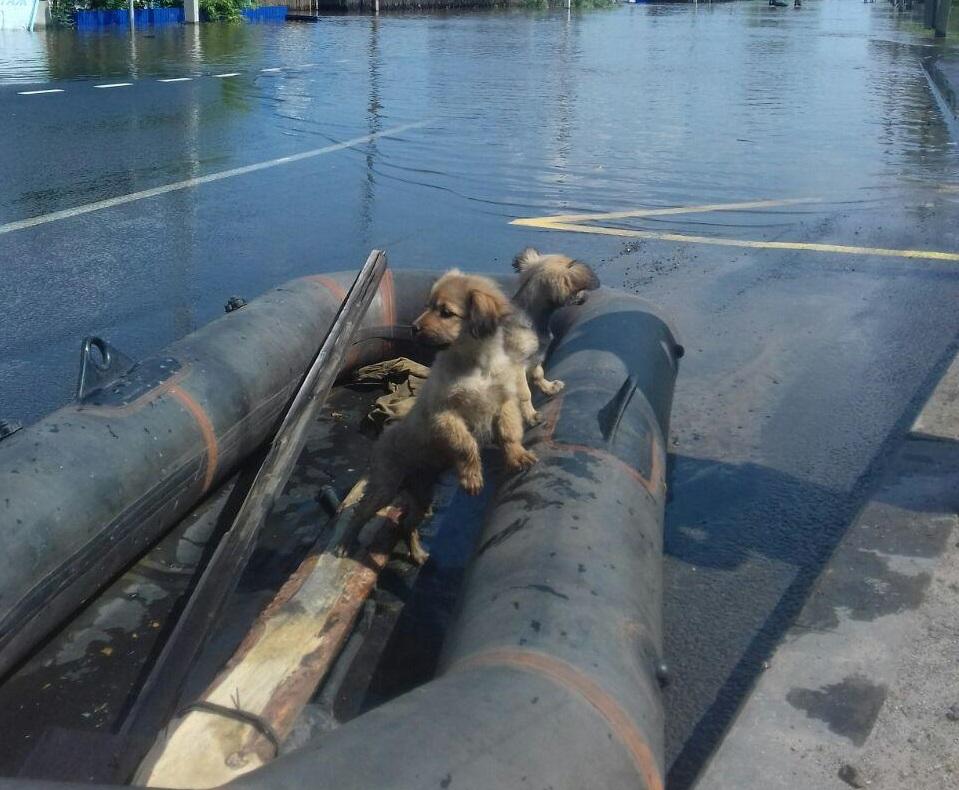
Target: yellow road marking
{"points": [[661, 212], [572, 223]]}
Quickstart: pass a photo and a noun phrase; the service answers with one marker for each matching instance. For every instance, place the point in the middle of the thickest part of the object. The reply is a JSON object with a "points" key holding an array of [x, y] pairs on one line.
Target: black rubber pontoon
{"points": [[549, 677]]}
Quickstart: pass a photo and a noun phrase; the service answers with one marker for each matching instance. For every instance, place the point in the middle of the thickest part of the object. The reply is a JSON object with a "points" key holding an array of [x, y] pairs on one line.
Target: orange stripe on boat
{"points": [[331, 285], [206, 431], [653, 484], [387, 298], [575, 680]]}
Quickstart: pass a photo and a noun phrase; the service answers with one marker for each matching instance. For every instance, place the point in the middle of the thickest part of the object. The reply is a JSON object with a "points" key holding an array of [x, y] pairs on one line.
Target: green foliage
{"points": [[225, 10], [112, 5], [61, 13], [213, 10]]}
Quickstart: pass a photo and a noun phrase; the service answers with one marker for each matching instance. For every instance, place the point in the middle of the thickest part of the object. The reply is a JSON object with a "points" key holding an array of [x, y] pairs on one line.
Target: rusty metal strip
{"points": [[572, 679], [206, 431]]}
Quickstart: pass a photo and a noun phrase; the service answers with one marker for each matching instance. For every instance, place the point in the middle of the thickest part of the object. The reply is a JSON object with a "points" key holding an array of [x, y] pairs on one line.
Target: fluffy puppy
{"points": [[546, 283], [469, 399]]}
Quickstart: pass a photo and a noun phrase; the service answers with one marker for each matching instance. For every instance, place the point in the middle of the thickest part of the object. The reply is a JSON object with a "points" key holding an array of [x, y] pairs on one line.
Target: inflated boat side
{"points": [[550, 674], [90, 487]]}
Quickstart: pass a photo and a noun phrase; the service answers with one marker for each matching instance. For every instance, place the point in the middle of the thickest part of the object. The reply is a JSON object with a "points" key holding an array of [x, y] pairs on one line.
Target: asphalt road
{"points": [[804, 361]]}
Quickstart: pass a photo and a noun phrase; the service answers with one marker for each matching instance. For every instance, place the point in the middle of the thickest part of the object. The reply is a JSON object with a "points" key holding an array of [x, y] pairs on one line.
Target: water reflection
{"points": [[374, 125], [22, 56], [109, 52]]}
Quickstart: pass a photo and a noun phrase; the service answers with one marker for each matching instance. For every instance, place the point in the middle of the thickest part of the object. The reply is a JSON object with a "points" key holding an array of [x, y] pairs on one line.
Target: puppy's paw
{"points": [[552, 387], [519, 459], [472, 480], [530, 416], [418, 553]]}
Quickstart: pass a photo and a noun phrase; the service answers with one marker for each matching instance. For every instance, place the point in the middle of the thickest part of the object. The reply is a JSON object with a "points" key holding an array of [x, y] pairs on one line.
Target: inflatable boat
{"points": [[552, 671]]}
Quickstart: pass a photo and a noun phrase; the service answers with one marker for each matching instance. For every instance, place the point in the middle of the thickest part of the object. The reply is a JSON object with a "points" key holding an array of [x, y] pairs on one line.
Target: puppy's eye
{"points": [[446, 312]]}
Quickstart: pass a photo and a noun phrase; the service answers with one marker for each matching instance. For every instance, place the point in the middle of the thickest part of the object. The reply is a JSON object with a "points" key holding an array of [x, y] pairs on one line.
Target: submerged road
{"points": [[784, 182]]}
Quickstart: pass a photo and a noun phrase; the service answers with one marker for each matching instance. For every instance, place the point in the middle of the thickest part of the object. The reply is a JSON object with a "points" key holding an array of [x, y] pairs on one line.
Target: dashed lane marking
{"points": [[270, 70]]}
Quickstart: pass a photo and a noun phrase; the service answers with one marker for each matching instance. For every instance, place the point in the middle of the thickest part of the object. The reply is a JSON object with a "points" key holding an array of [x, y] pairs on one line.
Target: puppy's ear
{"points": [[580, 277], [525, 258], [487, 309]]}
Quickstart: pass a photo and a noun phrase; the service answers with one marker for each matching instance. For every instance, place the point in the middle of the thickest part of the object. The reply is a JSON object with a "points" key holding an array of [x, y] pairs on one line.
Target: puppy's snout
{"points": [[415, 327]]}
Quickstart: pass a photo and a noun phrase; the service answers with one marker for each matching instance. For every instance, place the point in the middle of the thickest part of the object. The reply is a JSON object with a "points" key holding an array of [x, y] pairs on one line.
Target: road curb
{"points": [[939, 418], [941, 83]]}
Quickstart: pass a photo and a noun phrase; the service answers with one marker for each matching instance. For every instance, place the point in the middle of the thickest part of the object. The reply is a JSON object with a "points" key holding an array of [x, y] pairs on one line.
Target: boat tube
{"points": [[92, 486], [551, 672]]}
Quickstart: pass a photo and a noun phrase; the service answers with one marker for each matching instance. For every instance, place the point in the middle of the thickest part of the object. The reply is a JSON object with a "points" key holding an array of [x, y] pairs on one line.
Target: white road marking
{"points": [[169, 79], [120, 200]]}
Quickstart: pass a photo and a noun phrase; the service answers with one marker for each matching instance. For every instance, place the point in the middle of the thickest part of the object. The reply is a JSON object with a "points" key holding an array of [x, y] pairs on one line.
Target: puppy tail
{"points": [[525, 258], [581, 277]]}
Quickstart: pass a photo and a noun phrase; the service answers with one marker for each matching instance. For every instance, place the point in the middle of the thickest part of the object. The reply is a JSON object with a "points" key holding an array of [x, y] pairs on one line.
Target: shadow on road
{"points": [[744, 547]]}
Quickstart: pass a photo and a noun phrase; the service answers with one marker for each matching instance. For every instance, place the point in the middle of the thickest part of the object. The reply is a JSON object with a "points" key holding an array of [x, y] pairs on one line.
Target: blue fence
{"points": [[268, 13], [141, 17], [86, 20]]}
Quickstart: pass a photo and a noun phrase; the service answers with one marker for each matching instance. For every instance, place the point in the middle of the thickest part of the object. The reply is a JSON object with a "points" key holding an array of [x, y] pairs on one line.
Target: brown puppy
{"points": [[546, 283], [469, 399]]}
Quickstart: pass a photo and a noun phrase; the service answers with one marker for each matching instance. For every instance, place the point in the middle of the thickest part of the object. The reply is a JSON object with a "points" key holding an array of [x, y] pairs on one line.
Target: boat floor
{"points": [[81, 683]]}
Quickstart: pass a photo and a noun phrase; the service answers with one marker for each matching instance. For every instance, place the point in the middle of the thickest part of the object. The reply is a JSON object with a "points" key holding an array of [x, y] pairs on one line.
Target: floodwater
{"points": [[526, 113]]}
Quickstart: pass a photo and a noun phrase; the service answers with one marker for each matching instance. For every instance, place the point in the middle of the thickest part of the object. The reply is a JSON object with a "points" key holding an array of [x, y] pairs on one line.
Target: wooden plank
{"points": [[279, 665], [156, 701]]}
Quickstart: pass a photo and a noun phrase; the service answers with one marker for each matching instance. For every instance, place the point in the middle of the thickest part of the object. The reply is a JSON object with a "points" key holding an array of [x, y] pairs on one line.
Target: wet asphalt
{"points": [[803, 366]]}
